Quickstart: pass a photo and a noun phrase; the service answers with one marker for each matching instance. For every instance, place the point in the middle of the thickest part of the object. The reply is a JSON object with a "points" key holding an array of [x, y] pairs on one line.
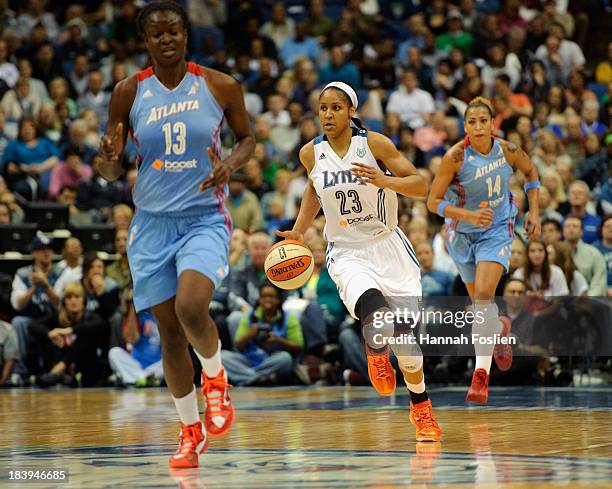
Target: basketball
{"points": [[289, 264]]}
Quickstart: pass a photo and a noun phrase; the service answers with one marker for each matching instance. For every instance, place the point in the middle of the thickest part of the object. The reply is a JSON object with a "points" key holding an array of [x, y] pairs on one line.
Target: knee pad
{"points": [[410, 364], [367, 305], [370, 301]]}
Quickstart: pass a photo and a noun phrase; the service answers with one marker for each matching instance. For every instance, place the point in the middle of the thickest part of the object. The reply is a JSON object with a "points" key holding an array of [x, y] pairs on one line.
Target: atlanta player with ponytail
{"points": [[355, 176], [471, 191]]}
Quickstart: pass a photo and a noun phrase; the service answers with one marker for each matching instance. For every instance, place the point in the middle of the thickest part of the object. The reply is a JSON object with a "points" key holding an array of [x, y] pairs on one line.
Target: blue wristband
{"points": [[532, 184], [442, 206]]}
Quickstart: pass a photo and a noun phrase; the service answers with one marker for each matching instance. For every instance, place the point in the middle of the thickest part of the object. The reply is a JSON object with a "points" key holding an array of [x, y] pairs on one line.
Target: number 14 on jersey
{"points": [[494, 188]]}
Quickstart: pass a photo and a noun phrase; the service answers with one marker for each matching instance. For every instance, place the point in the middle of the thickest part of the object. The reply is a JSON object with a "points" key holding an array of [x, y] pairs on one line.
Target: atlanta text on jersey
{"points": [[481, 172], [164, 111]]}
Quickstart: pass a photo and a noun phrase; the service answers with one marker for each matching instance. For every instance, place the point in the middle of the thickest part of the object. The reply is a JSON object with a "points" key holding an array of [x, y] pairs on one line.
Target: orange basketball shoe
{"points": [[192, 442], [479, 390], [502, 354], [421, 416], [381, 372], [220, 413]]}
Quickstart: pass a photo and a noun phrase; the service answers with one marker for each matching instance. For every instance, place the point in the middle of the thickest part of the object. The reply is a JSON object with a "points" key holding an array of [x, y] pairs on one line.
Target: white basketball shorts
{"points": [[388, 264]]}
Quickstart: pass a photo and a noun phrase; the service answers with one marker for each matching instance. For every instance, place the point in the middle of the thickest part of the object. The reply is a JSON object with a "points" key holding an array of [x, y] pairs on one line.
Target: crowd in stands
{"points": [[414, 65]]}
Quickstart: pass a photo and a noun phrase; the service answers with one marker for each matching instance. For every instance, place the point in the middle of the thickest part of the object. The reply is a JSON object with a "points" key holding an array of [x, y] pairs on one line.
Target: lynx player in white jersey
{"points": [[354, 175]]}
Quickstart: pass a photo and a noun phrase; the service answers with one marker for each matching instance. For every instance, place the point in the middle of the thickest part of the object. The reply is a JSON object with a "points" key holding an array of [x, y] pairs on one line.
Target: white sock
{"points": [[212, 366], [483, 361], [490, 325], [416, 388], [187, 408]]}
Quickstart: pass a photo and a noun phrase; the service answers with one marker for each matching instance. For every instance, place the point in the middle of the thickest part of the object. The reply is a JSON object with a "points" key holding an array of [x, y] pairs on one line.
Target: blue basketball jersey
{"points": [[482, 182], [171, 130]]}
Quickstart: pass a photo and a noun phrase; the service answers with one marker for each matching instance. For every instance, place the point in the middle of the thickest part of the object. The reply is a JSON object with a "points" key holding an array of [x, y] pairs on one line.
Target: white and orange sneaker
{"points": [[192, 443], [380, 371], [502, 353], [219, 415], [421, 416]]}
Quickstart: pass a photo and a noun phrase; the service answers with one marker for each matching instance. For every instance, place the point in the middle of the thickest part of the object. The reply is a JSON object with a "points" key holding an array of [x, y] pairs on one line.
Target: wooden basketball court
{"points": [[314, 438]]}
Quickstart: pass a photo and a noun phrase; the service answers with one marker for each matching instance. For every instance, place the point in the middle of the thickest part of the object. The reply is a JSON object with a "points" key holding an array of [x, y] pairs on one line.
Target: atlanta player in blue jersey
{"points": [[471, 191], [179, 238]]}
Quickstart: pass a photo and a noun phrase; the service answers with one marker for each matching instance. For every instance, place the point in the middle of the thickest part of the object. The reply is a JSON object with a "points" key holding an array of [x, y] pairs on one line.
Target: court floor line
{"points": [[579, 449], [149, 448]]}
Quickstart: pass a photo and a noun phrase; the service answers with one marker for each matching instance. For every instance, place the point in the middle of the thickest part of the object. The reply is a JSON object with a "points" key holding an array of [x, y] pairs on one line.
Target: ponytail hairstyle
{"points": [[479, 102], [358, 123], [349, 96]]}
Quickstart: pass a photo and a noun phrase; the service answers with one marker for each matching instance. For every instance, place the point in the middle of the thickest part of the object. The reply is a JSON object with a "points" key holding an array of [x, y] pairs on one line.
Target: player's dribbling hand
{"points": [[532, 226], [112, 147], [220, 174], [295, 235], [482, 218]]}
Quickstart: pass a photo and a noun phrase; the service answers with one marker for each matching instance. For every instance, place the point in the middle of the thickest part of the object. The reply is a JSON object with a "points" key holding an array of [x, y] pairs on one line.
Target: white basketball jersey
{"points": [[355, 212]]}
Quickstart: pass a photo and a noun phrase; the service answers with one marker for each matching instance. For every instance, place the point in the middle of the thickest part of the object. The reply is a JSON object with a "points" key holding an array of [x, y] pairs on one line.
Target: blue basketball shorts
{"points": [[161, 247], [469, 249]]}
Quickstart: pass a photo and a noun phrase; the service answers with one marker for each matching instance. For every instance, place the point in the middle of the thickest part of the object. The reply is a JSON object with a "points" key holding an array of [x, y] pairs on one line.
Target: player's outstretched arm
{"points": [[405, 179], [451, 162], [310, 205], [113, 141], [522, 162]]}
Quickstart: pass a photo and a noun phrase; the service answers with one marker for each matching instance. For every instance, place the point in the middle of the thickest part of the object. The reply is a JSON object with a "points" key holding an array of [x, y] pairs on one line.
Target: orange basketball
{"points": [[289, 264]]}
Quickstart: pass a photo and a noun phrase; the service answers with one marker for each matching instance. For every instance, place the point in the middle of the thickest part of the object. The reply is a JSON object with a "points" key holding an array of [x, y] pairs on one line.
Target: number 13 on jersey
{"points": [[179, 131]]}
